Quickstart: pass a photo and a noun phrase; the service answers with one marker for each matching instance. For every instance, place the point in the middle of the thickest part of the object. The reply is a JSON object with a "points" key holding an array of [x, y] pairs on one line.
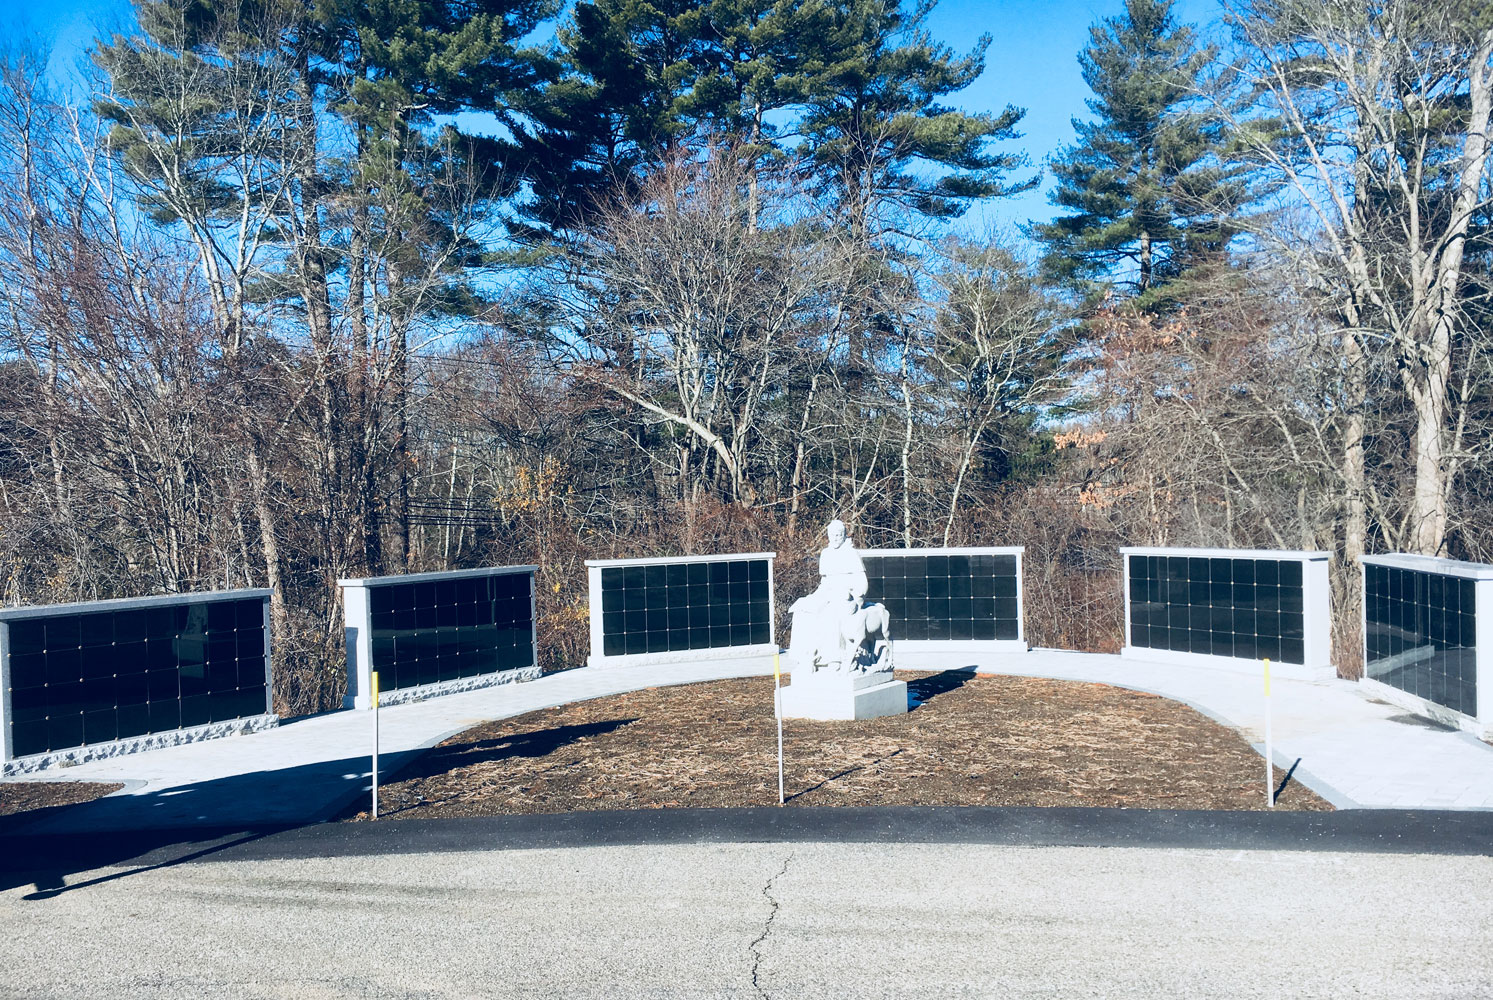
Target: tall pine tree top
{"points": [[1146, 197], [875, 123], [858, 85]]}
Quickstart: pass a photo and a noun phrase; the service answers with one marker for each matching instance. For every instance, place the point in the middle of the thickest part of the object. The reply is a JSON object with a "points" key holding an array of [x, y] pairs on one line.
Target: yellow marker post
{"points": [[1269, 744], [374, 692], [777, 706]]}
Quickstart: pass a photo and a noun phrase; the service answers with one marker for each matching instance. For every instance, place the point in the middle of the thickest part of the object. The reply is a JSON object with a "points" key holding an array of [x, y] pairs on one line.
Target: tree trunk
{"points": [[800, 458], [906, 449], [364, 401], [1145, 260], [1428, 501], [269, 543], [1428, 370], [1355, 521], [315, 292]]}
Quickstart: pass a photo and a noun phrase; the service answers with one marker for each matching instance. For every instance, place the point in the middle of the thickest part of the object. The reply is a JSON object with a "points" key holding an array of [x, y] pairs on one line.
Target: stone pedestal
{"points": [[829, 694]]}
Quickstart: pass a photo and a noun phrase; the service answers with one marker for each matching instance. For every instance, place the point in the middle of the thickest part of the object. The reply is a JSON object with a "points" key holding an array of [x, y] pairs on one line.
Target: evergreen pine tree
{"points": [[875, 122], [638, 77], [1145, 195]]}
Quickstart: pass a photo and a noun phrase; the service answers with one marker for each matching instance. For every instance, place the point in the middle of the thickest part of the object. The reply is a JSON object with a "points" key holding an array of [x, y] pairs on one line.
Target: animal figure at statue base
{"points": [[867, 636]]}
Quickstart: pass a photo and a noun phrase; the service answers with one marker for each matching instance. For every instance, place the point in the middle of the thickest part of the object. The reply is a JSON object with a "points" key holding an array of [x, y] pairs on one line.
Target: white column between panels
{"points": [[772, 604], [1021, 595], [593, 582], [533, 575], [1483, 630], [269, 659], [1316, 605], [358, 636], [5, 740]]}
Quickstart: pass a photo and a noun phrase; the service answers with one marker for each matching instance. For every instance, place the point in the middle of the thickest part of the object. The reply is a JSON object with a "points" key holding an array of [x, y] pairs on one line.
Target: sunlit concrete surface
{"points": [[752, 920]]}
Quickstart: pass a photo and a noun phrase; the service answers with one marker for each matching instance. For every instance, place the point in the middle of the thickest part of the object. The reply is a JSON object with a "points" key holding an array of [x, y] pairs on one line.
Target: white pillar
{"points": [[1484, 632], [358, 636], [593, 582]]}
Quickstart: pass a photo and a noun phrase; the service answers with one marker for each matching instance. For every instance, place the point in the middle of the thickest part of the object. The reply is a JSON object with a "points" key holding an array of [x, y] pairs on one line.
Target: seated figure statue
{"points": [[831, 626]]}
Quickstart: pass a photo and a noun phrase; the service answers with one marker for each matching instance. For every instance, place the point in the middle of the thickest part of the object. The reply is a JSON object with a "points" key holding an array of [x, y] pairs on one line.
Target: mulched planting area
{"points": [[24, 796], [974, 740]]}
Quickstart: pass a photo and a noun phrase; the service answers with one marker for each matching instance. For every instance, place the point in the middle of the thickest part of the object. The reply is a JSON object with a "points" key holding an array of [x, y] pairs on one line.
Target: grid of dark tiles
{"points": [[441, 630], [1249, 608], [1421, 634], [671, 607], [946, 596], [83, 679]]}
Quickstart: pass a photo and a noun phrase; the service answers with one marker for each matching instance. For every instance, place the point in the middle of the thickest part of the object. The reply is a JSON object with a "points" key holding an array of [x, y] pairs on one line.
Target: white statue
{"points": [[832, 627]]}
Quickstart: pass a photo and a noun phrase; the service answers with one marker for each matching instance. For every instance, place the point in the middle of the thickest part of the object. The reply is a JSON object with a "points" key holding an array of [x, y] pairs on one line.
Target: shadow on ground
{"points": [[46, 845], [535, 743], [172, 825], [925, 689]]}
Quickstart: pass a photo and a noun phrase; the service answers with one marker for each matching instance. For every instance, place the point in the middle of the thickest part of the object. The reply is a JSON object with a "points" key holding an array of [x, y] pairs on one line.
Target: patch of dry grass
{"points": [[975, 740], [24, 796]]}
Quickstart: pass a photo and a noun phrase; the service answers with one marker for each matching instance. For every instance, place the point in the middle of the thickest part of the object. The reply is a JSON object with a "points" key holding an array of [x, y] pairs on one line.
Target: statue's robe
{"points": [[817, 617]]}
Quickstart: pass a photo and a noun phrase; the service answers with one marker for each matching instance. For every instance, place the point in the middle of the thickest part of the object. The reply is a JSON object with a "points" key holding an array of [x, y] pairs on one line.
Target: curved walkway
{"points": [[307, 769], [1354, 751]]}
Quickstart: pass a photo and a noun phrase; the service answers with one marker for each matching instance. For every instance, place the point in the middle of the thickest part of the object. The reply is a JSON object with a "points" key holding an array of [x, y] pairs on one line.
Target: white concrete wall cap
{"points": [[1281, 554], [128, 603], [675, 560], [967, 550], [450, 574], [1432, 564]]}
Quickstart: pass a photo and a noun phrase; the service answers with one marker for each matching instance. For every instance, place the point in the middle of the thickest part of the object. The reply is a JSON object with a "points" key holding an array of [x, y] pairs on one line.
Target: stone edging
{"points": [[135, 744]]}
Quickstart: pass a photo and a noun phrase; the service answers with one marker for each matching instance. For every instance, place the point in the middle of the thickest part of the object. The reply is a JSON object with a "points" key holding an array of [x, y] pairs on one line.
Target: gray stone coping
{"points": [[137, 744], [401, 696]]}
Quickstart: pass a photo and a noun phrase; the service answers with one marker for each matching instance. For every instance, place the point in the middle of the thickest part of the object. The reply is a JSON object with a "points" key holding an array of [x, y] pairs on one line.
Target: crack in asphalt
{"points": [[755, 947]]}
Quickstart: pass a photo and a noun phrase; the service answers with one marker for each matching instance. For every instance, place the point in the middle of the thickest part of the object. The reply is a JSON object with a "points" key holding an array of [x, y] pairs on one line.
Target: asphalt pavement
{"points": [[28, 857], [767, 919]]}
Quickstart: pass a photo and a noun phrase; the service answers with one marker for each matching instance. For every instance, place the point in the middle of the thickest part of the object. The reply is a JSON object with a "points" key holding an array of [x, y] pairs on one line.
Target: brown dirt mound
{"points": [[24, 796], [974, 740]]}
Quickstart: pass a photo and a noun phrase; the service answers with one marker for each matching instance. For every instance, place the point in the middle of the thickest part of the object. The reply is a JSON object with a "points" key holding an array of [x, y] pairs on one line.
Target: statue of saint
{"points": [[831, 624]]}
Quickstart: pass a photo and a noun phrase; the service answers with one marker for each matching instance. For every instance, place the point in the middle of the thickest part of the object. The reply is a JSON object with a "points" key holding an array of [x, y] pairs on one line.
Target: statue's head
{"points": [[836, 532]]}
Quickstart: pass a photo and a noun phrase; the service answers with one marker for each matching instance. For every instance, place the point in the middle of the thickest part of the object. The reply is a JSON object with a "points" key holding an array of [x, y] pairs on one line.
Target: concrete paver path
{"points": [[1354, 751]]}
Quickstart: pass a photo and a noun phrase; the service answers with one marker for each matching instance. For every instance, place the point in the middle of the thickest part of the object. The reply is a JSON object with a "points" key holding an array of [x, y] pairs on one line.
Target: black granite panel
{"points": [[953, 597], [1250, 608], [87, 678], [424, 632], [1420, 634], [676, 607]]}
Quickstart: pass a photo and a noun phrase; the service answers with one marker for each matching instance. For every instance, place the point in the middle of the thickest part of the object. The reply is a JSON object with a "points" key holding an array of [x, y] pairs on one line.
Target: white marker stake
{"points": [[375, 744], [777, 707], [1269, 744]]}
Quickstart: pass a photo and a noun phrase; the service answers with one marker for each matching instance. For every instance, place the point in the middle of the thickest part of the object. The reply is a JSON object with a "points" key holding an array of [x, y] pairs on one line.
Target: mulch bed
{"points": [[974, 740], [24, 796]]}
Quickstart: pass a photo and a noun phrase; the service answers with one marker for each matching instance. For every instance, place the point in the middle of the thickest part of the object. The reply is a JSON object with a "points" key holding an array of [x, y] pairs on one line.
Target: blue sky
{"points": [[1032, 63]]}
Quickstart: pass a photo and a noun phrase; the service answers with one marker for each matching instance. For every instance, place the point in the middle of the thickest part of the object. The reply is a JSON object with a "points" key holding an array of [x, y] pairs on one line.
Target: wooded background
{"points": [[292, 290]]}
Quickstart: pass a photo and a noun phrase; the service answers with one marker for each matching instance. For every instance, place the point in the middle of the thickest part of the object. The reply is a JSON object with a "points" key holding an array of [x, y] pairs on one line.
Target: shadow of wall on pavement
{"points": [[158, 828]]}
